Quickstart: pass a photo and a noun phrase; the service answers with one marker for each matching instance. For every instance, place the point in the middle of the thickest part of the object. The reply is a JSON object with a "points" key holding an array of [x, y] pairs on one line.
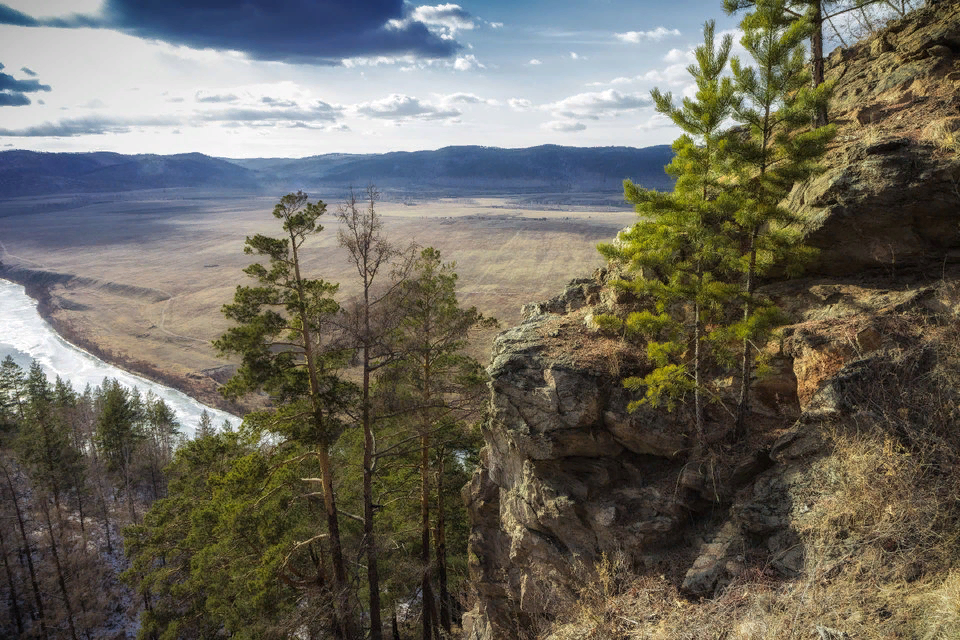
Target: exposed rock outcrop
{"points": [[890, 196], [568, 475]]}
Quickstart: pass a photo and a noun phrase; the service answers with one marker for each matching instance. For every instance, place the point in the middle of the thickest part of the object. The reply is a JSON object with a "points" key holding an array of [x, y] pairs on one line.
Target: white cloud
{"points": [[564, 126], [496, 25], [402, 107], [520, 104], [466, 98], [654, 35], [446, 20], [594, 105], [376, 61], [534, 62], [575, 56], [468, 62], [679, 55]]}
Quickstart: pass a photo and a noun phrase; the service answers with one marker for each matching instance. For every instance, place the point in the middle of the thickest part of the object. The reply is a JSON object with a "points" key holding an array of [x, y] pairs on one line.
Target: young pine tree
{"points": [[683, 246], [775, 149]]}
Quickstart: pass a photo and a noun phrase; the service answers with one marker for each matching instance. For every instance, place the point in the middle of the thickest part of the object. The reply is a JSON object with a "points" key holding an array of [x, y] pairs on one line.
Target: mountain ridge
{"points": [[470, 168]]}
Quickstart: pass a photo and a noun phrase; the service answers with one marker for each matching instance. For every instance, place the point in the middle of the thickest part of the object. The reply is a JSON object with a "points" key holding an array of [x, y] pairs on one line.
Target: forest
{"points": [[335, 510], [337, 504]]}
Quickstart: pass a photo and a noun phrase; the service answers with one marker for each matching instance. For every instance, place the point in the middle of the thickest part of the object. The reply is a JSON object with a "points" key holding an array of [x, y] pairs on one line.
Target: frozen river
{"points": [[26, 336]]}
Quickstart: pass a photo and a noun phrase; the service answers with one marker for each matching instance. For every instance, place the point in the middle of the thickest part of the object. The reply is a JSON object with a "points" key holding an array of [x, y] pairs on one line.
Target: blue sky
{"points": [[304, 77]]}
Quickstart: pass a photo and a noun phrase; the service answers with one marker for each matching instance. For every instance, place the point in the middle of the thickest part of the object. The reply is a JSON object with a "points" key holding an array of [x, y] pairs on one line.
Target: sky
{"points": [[294, 78]]}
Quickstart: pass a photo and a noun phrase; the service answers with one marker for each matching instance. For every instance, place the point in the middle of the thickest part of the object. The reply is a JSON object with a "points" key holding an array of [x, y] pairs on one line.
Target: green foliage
{"points": [[699, 251], [44, 443], [683, 246], [117, 432]]}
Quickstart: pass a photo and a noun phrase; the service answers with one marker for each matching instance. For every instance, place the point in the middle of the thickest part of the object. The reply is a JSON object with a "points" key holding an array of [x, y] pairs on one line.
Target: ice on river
{"points": [[26, 336]]}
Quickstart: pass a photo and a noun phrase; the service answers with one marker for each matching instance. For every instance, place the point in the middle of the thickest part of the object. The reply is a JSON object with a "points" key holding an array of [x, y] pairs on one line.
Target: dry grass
{"points": [[188, 247], [878, 518]]}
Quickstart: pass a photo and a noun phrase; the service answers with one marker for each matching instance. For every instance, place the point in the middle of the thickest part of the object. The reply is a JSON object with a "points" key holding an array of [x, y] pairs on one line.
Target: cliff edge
{"points": [[849, 471]]}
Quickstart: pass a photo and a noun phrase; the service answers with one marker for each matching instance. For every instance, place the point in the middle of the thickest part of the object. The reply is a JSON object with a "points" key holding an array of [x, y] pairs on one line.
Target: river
{"points": [[26, 336]]}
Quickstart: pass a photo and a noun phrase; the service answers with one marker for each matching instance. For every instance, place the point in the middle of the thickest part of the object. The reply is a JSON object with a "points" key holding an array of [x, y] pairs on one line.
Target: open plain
{"points": [[143, 275]]}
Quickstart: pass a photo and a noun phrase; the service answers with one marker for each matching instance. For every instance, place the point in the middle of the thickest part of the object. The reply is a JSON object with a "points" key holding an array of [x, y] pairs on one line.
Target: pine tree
{"points": [[370, 324], [282, 335], [775, 149], [12, 390], [683, 246], [441, 382]]}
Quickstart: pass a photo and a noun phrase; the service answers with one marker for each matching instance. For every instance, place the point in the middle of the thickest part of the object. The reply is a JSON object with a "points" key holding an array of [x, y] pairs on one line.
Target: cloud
{"points": [[564, 126], [594, 105], [13, 99], [319, 112], [29, 72], [495, 25], [575, 56], [13, 92], [293, 31], [9, 83], [446, 19], [654, 35], [215, 98], [468, 62], [277, 102], [520, 104], [534, 62], [402, 107], [649, 76], [679, 55], [466, 98], [94, 125]]}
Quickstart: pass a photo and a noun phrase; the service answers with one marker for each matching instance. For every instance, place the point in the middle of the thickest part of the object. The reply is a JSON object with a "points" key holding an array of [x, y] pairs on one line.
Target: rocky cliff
{"points": [[570, 478]]}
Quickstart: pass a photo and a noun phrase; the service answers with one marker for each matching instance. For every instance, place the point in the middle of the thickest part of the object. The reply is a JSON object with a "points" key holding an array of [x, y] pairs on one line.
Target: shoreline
{"points": [[202, 388]]}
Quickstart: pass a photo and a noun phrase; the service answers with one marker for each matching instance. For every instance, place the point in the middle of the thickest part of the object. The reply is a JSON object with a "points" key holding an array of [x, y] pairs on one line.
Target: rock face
{"points": [[890, 195], [568, 475]]}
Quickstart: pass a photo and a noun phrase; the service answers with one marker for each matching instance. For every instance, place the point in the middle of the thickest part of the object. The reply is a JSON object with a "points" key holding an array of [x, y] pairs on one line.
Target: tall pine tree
{"points": [[774, 149], [282, 335]]}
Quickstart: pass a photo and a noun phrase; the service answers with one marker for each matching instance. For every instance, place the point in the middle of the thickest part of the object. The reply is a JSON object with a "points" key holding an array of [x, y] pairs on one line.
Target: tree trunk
{"points": [[14, 598], [426, 589], [743, 405], [373, 575], [38, 599], [344, 619], [441, 549], [816, 55], [700, 444], [59, 567], [395, 625]]}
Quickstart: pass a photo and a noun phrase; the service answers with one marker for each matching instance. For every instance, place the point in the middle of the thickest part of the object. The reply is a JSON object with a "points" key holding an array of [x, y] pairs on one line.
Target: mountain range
{"points": [[464, 170]]}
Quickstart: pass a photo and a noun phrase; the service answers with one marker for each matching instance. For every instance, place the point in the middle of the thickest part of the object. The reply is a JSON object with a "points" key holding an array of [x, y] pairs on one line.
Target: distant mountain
{"points": [[28, 173], [465, 170], [474, 168]]}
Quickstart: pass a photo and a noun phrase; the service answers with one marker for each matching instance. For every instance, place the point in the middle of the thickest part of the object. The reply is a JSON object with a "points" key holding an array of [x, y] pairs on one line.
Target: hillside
{"points": [[28, 173], [835, 515], [460, 170]]}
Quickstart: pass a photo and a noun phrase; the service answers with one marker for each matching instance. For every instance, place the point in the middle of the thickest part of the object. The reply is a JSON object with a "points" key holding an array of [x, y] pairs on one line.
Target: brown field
{"points": [[157, 266]]}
